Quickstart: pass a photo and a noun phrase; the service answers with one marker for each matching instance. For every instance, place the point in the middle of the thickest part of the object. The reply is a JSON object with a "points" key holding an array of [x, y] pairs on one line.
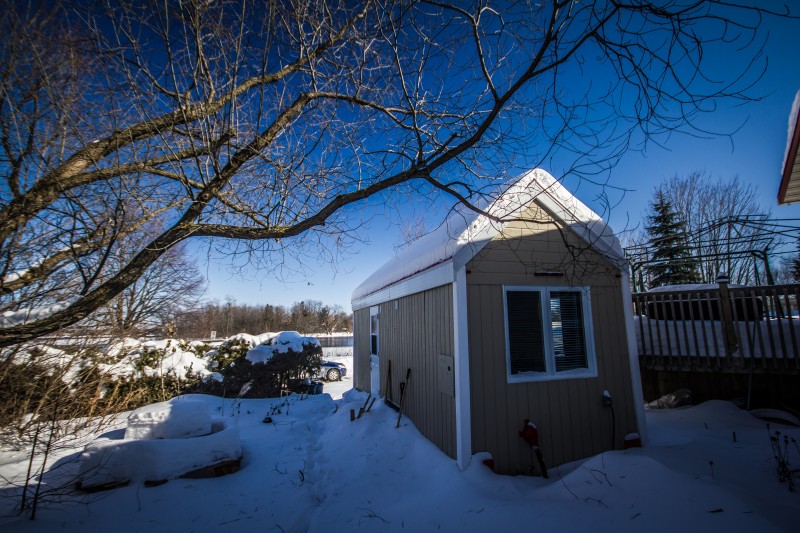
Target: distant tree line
{"points": [[229, 318]]}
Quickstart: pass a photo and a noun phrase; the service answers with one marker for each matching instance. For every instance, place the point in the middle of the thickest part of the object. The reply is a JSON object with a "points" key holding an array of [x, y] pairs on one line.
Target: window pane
{"points": [[569, 338], [525, 339]]}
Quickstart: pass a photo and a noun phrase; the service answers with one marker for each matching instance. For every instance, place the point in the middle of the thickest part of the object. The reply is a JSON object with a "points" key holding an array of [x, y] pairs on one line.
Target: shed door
{"points": [[374, 359], [374, 375]]}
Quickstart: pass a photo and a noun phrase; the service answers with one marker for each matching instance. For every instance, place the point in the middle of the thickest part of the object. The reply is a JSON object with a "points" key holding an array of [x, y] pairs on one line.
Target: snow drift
{"points": [[162, 441]]}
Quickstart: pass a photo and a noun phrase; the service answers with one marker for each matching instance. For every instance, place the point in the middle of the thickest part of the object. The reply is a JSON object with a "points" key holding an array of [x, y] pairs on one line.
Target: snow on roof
{"points": [[466, 232], [790, 130]]}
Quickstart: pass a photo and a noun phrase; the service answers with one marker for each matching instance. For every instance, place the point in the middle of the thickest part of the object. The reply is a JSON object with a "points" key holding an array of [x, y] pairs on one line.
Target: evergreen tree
{"points": [[796, 264], [672, 261]]}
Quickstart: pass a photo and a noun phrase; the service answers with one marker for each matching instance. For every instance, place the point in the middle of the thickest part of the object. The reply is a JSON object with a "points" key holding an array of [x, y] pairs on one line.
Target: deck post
{"points": [[729, 332]]}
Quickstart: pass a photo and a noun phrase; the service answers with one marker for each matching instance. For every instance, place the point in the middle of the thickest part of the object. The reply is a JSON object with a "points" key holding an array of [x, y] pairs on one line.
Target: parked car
{"points": [[331, 371]]}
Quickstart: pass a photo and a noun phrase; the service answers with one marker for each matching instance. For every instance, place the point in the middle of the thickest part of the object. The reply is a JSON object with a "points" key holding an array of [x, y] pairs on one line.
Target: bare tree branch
{"points": [[259, 127]]}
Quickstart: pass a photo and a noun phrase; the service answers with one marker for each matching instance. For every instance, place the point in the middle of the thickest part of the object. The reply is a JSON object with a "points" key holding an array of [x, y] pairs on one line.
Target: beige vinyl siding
{"points": [[361, 349], [413, 332], [569, 413]]}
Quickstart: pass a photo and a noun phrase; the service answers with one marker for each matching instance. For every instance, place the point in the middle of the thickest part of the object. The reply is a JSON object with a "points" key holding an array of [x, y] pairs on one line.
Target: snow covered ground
{"points": [[312, 469]]}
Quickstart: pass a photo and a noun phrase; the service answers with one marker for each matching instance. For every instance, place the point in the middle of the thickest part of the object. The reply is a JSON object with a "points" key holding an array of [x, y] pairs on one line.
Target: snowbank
{"points": [[162, 441], [706, 468], [169, 420]]}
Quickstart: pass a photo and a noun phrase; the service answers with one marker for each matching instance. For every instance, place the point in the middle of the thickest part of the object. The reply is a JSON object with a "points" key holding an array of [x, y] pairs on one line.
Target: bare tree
{"points": [[169, 288], [726, 227], [313, 316], [258, 126]]}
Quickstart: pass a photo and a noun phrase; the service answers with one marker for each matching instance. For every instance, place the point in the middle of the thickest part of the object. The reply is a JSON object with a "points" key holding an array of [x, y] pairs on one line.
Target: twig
{"points": [[595, 471], [598, 501], [371, 514], [565, 484]]}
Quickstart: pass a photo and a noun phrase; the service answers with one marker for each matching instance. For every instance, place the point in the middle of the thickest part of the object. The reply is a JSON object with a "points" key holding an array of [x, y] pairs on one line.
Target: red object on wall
{"points": [[530, 433]]}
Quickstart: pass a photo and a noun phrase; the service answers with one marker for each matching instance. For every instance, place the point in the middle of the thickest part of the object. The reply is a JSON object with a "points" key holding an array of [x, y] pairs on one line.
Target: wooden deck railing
{"points": [[731, 329]]}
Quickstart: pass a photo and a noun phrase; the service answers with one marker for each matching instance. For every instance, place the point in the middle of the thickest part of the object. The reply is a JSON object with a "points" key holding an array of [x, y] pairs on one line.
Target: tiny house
{"points": [[490, 321]]}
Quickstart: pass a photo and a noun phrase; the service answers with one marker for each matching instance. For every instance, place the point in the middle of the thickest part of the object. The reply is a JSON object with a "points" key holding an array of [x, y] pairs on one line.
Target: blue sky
{"points": [[754, 152]]}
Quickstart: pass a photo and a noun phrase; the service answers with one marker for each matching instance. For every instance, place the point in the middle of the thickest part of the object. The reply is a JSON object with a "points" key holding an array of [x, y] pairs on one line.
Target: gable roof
{"points": [[789, 189], [434, 259]]}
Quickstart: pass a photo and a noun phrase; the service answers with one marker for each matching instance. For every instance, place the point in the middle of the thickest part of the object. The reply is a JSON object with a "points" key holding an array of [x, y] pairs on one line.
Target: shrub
{"points": [[228, 352], [131, 393], [270, 377]]}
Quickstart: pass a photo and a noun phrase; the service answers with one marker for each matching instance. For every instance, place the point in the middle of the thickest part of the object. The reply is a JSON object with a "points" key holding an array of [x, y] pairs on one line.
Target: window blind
{"points": [[525, 338], [569, 337]]}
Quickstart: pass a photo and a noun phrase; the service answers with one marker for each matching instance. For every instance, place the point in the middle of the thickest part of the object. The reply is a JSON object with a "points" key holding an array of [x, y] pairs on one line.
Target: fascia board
{"points": [[472, 248], [435, 276]]}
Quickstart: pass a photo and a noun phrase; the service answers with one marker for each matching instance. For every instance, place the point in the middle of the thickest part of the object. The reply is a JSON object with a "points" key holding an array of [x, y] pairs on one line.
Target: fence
{"points": [[742, 329], [335, 341]]}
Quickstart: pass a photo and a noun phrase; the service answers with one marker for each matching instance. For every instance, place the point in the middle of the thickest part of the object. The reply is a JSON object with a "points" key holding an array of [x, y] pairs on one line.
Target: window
{"points": [[373, 330], [548, 333]]}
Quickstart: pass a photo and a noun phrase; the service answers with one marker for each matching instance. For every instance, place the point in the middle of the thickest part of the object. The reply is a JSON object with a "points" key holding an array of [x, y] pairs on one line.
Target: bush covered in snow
{"points": [[268, 367], [41, 383], [229, 351], [83, 379]]}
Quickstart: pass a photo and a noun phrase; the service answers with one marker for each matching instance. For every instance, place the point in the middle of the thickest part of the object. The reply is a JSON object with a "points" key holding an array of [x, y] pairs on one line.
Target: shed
{"points": [[528, 317]]}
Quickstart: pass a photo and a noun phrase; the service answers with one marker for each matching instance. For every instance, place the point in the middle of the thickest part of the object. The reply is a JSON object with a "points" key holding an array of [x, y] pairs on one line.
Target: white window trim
{"points": [[551, 374]]}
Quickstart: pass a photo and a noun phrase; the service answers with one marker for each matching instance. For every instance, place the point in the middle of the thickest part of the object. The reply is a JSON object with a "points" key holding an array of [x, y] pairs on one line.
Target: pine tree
{"points": [[672, 261], [796, 264]]}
